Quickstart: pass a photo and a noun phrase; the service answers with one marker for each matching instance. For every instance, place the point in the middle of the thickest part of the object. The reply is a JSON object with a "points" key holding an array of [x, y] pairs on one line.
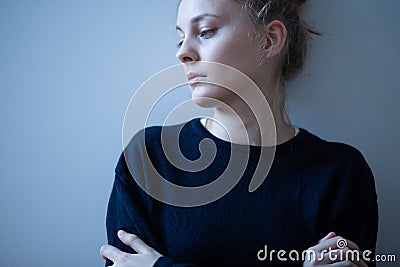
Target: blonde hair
{"points": [[261, 12]]}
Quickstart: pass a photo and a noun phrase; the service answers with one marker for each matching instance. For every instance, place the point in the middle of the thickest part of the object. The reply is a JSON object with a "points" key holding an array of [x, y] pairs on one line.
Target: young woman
{"points": [[318, 195]]}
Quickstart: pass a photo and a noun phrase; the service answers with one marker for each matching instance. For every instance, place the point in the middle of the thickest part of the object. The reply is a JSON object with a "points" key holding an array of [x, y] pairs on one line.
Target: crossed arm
{"points": [[147, 256]]}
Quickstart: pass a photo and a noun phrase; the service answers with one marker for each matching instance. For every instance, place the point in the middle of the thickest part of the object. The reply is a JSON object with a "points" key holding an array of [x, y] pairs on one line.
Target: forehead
{"points": [[189, 9]]}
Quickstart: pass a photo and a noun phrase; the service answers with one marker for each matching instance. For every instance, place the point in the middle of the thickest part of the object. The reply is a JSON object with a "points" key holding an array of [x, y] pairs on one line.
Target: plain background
{"points": [[69, 68]]}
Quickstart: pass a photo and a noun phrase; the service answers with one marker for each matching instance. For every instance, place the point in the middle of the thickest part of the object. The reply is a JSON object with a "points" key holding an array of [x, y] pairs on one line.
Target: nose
{"points": [[187, 53]]}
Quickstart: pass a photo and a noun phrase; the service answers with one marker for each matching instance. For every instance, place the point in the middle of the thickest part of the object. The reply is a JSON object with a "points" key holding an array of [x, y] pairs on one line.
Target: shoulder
{"points": [[334, 150], [344, 164], [147, 143], [152, 135]]}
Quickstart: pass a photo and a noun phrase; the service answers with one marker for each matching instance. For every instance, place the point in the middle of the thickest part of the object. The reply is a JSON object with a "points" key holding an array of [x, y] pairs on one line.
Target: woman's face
{"points": [[217, 31]]}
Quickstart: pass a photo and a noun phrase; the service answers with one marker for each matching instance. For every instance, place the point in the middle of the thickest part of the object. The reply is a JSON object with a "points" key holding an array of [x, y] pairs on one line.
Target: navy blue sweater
{"points": [[313, 187]]}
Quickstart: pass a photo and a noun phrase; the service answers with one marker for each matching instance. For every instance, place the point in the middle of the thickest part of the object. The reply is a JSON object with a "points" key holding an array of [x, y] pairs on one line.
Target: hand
{"points": [[328, 252], [146, 256]]}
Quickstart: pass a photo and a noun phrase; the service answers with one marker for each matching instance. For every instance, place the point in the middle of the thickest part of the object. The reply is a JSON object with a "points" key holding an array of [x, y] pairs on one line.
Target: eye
{"points": [[179, 44], [206, 33], [203, 34]]}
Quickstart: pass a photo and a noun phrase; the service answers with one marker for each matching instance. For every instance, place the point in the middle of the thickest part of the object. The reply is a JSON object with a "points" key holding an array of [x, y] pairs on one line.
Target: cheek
{"points": [[239, 54]]}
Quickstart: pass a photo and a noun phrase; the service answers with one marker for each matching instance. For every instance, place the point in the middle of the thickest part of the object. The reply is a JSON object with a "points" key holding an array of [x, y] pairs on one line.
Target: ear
{"points": [[274, 38]]}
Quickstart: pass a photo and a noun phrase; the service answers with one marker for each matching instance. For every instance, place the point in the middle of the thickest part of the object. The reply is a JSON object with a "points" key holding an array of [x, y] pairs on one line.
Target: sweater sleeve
{"points": [[356, 208], [168, 262], [127, 210]]}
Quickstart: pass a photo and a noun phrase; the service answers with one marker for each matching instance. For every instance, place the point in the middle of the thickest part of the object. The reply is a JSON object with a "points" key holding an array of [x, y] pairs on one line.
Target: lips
{"points": [[195, 78]]}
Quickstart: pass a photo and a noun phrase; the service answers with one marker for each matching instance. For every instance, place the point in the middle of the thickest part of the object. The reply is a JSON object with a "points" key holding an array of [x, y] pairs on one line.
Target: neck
{"points": [[244, 128]]}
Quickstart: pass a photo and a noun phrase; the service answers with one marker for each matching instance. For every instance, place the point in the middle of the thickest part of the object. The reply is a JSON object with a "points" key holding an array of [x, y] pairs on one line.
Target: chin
{"points": [[207, 96], [204, 103]]}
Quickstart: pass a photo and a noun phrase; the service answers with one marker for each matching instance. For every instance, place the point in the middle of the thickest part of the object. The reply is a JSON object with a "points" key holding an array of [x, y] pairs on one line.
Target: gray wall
{"points": [[69, 68]]}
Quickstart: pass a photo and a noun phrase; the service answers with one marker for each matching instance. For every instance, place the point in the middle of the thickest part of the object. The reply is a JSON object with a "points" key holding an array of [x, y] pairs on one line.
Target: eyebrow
{"points": [[198, 18]]}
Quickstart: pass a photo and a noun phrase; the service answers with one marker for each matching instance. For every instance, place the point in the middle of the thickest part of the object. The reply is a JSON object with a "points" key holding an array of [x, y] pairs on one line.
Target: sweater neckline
{"points": [[289, 145]]}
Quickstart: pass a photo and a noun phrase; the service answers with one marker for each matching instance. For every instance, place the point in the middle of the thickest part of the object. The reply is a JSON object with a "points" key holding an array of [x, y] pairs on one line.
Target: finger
{"points": [[339, 255], [111, 253], [134, 242], [345, 249], [327, 244], [345, 254], [328, 236], [335, 243], [352, 245], [342, 242]]}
